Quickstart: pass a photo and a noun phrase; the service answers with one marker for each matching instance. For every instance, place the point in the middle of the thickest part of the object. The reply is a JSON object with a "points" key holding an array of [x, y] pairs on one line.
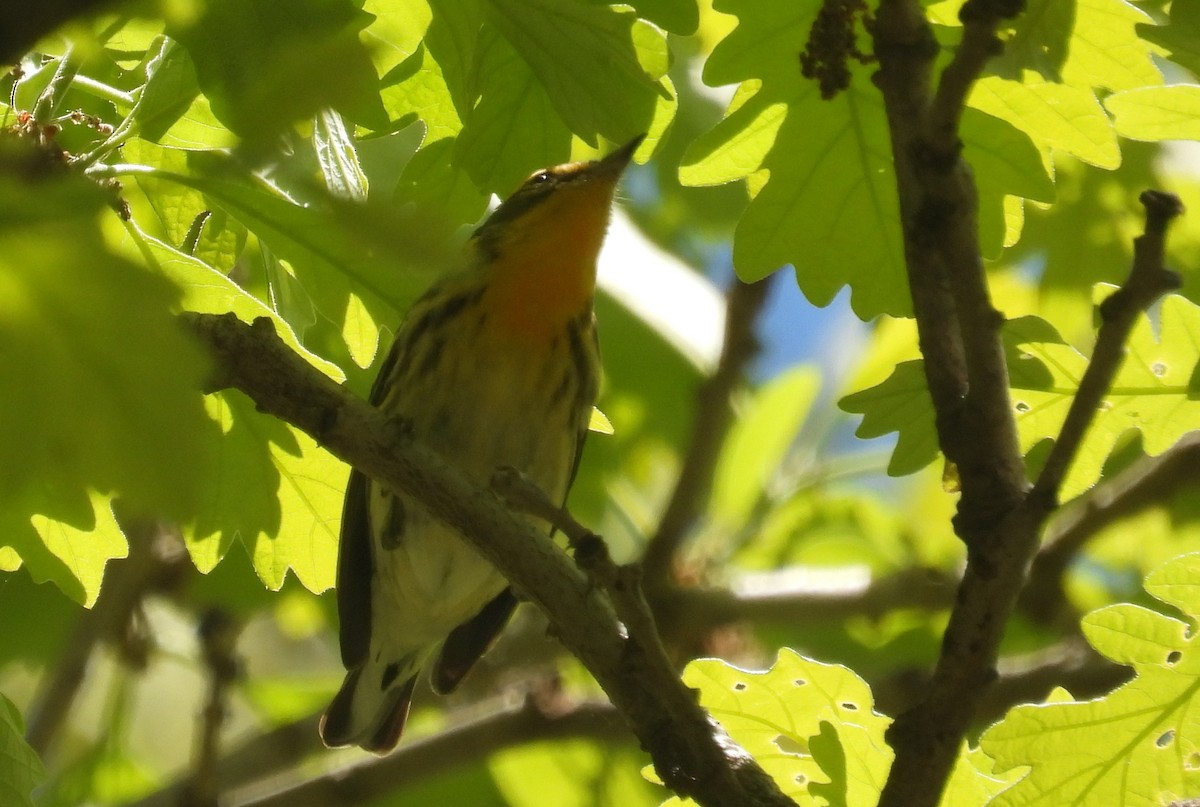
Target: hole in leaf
{"points": [[1159, 369], [1174, 656], [1192, 762], [800, 779], [789, 745], [799, 682], [1021, 406], [1165, 738], [850, 707], [740, 686]]}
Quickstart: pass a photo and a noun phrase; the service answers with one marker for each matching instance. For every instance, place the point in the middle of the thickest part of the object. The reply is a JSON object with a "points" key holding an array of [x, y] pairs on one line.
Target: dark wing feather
{"points": [[355, 563], [354, 574], [470, 640]]}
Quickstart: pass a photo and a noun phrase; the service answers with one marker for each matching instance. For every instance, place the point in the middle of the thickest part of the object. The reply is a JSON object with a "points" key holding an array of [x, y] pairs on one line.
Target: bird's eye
{"points": [[540, 178]]}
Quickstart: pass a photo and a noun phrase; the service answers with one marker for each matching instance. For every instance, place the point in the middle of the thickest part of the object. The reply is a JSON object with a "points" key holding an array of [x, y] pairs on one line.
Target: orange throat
{"points": [[545, 274]]}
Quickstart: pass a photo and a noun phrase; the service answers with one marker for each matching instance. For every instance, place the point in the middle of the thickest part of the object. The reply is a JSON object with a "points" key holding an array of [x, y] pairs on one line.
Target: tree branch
{"points": [[744, 301], [218, 636], [364, 782], [691, 753], [703, 610], [927, 738], [965, 369]]}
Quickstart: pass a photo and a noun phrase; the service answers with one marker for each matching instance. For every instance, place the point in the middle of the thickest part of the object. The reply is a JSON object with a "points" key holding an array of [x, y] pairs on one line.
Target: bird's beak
{"points": [[619, 159]]}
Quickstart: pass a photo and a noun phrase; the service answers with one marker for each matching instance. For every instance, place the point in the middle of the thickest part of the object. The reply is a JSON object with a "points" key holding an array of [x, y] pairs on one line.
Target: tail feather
{"points": [[370, 710]]}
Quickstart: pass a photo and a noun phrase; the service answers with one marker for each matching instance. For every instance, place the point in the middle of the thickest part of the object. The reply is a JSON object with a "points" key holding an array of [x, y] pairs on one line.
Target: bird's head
{"points": [[539, 247]]}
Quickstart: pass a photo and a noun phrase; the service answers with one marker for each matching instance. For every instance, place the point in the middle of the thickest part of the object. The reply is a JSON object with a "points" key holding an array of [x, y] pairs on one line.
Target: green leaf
{"points": [[1040, 40], [736, 147], [178, 210], [263, 65], [1106, 50], [167, 97], [811, 726], [1150, 393], [71, 553], [1181, 37], [829, 165], [451, 41], [598, 422], [758, 442], [899, 404], [677, 16], [345, 179], [1085, 43], [336, 250], [417, 87], [514, 129], [1060, 117], [432, 184], [1005, 163], [208, 291], [20, 769], [1157, 113], [334, 147], [99, 380], [397, 30], [765, 43], [1057, 58], [269, 485], [277, 491], [831, 178], [572, 773], [600, 76], [1134, 746]]}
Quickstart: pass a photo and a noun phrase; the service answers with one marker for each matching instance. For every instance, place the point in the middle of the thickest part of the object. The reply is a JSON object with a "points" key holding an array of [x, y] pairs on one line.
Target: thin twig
{"points": [[690, 751], [1071, 664], [218, 638], [127, 582], [744, 301], [703, 610], [366, 781], [1148, 280], [623, 584], [259, 757], [51, 96], [1148, 482]]}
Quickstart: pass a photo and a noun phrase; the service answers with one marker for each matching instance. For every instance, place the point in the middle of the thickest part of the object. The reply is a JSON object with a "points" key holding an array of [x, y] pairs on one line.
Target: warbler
{"points": [[495, 366]]}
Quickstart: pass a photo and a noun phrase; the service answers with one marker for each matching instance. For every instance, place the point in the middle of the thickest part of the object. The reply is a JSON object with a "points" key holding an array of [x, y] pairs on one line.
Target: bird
{"points": [[496, 366]]}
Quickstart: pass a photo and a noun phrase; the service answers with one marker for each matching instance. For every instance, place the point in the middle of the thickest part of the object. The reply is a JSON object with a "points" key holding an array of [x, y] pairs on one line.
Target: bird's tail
{"points": [[371, 707]]}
